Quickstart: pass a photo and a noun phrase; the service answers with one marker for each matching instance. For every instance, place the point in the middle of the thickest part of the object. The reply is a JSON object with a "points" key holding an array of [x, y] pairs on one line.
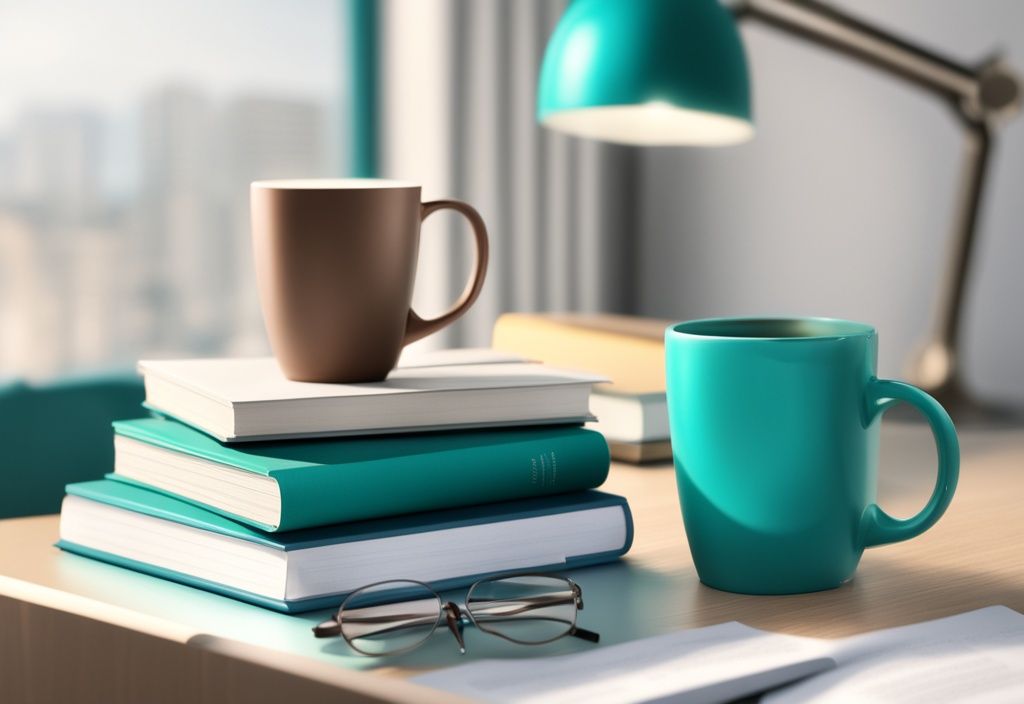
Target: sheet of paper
{"points": [[977, 656], [711, 664]]}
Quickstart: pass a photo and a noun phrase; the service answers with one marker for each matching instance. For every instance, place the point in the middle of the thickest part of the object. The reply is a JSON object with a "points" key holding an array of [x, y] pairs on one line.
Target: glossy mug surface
{"points": [[336, 265], [774, 426]]}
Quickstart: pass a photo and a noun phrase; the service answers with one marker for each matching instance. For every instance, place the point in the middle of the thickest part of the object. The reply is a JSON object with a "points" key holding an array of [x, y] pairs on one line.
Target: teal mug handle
{"points": [[877, 526]]}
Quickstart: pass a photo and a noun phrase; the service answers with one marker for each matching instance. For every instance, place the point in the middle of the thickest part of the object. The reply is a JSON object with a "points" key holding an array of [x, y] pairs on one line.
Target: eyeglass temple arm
{"points": [[327, 629], [332, 627], [531, 603], [584, 634]]}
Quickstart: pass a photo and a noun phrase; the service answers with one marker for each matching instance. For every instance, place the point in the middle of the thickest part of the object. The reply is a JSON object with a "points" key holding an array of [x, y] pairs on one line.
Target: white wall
{"points": [[841, 205]]}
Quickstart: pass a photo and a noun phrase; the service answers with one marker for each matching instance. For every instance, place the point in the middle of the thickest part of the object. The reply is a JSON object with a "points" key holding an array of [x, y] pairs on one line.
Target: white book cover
{"points": [[250, 398]]}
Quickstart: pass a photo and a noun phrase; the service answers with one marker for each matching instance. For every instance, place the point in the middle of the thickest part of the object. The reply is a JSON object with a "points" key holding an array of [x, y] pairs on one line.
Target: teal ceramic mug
{"points": [[774, 426]]}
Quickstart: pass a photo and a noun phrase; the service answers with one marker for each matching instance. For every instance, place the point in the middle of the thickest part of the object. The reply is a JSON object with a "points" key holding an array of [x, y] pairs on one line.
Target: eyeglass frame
{"points": [[456, 618]]}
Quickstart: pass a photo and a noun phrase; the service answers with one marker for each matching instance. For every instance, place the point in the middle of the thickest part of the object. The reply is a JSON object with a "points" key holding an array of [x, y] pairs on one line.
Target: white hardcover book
{"points": [[250, 399], [315, 568], [633, 418]]}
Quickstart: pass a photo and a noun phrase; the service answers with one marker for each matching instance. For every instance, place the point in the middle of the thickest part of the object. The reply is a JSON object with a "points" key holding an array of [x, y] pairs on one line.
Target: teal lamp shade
{"points": [[647, 72]]}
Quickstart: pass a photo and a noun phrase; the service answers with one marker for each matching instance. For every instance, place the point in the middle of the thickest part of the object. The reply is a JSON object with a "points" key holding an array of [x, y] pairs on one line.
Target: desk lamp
{"points": [[673, 72]]}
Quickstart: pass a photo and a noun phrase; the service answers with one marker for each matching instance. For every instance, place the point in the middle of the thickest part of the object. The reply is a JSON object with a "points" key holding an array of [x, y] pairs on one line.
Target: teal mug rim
{"points": [[731, 328]]}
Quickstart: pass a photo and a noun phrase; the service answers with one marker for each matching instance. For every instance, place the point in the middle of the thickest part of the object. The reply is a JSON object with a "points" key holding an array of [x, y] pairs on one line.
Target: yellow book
{"points": [[629, 351]]}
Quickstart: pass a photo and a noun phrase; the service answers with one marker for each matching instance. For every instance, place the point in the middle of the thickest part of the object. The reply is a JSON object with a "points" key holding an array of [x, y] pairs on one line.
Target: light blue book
{"points": [[316, 568]]}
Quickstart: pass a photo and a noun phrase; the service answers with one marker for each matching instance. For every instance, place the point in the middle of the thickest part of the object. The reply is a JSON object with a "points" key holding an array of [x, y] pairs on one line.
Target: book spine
{"points": [[539, 462]]}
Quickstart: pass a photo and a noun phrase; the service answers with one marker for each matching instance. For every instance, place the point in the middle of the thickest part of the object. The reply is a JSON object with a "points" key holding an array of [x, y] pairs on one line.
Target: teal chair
{"points": [[56, 433]]}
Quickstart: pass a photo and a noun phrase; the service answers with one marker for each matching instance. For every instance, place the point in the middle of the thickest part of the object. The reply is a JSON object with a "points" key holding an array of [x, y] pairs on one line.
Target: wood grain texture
{"points": [[973, 557], [48, 655]]}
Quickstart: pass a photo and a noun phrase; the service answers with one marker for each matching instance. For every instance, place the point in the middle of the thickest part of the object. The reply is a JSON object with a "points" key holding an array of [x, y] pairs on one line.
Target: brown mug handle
{"points": [[416, 327]]}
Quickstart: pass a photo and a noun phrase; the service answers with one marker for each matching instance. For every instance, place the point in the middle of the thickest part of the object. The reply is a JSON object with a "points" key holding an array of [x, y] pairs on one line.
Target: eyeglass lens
{"points": [[389, 618], [527, 609]]}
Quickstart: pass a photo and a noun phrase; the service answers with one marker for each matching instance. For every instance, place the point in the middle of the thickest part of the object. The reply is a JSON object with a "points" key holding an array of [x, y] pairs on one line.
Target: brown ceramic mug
{"points": [[336, 264]]}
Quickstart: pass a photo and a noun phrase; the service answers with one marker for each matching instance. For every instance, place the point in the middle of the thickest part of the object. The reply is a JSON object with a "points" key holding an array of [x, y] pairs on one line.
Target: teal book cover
{"points": [[159, 505], [335, 480]]}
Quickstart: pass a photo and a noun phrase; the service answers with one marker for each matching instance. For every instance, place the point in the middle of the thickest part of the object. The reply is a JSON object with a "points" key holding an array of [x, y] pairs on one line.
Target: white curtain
{"points": [[458, 115]]}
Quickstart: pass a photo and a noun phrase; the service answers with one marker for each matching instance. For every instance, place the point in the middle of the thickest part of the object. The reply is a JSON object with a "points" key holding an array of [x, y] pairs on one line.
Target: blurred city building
{"points": [[90, 278]]}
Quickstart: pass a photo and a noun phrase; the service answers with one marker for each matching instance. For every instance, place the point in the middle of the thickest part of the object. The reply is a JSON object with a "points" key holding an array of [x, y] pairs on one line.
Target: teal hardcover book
{"points": [[154, 533], [286, 485]]}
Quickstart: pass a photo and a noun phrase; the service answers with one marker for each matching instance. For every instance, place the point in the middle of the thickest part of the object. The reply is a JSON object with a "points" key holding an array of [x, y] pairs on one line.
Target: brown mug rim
{"points": [[332, 184]]}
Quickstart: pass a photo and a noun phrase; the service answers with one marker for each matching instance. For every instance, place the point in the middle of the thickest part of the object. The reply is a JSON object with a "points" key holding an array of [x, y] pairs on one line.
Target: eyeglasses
{"points": [[394, 617]]}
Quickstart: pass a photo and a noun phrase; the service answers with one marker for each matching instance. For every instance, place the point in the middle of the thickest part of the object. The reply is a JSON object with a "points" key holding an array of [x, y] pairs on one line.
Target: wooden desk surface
{"points": [[973, 557]]}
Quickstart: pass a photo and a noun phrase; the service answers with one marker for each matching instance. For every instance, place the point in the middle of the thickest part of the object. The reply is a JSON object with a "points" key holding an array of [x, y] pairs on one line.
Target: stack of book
{"points": [[291, 495], [631, 410]]}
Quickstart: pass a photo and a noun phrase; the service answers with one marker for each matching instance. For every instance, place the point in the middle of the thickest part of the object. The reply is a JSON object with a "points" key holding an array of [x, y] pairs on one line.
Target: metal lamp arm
{"points": [[980, 97], [828, 27]]}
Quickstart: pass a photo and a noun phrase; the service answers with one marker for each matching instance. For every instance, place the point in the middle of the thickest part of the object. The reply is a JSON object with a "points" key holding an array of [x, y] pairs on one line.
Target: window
{"points": [[129, 133]]}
